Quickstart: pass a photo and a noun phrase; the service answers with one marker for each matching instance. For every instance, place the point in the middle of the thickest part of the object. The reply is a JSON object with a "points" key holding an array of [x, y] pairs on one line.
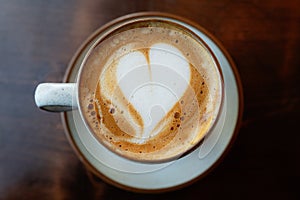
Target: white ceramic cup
{"points": [[60, 97]]}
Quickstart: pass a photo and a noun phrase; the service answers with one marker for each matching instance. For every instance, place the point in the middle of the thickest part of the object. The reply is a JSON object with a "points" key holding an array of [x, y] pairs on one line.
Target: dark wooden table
{"points": [[38, 39]]}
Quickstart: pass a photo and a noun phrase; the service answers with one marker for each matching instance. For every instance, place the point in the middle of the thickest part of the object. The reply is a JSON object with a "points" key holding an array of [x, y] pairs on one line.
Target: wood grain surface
{"points": [[38, 39]]}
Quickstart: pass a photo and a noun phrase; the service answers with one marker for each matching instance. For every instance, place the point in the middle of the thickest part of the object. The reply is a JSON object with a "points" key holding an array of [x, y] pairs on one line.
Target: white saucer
{"points": [[135, 176]]}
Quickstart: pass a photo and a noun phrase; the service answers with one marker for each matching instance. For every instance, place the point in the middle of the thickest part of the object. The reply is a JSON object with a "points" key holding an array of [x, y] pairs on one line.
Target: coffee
{"points": [[150, 90]]}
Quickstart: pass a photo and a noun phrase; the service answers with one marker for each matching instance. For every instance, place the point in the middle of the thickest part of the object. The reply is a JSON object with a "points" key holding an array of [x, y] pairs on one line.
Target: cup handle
{"points": [[56, 97]]}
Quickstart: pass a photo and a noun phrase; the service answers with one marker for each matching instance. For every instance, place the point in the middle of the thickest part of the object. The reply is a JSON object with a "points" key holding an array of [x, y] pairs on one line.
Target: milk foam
{"points": [[158, 78]]}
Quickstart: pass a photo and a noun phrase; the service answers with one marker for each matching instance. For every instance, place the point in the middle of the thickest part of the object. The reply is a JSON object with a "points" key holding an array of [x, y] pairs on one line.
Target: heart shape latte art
{"points": [[152, 81]]}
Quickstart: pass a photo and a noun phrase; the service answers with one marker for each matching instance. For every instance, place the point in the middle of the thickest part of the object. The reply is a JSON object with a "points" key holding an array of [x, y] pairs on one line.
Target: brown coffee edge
{"points": [[102, 176]]}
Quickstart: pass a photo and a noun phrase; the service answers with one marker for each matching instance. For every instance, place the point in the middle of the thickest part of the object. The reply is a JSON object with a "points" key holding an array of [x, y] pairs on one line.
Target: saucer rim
{"points": [[232, 65]]}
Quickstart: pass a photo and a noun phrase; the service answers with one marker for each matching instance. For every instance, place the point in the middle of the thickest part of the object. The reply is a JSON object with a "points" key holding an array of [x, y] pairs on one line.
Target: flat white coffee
{"points": [[150, 92]]}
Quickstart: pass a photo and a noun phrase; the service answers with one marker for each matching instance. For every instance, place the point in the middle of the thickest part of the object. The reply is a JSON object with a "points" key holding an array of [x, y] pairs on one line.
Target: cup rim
{"points": [[101, 33]]}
